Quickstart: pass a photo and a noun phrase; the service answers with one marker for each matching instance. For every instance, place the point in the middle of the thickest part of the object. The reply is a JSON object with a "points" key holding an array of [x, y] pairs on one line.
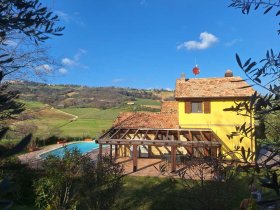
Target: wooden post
{"points": [[134, 157], [100, 150], [214, 152], [173, 158], [124, 152], [116, 151], [111, 152], [149, 151], [219, 150]]}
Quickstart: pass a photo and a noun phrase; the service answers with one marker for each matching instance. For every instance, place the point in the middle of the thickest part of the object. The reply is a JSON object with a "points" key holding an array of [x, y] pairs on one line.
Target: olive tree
{"points": [[24, 26], [264, 74]]}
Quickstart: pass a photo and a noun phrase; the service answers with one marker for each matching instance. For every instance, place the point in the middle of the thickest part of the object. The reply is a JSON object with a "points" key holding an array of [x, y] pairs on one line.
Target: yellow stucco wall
{"points": [[220, 121]]}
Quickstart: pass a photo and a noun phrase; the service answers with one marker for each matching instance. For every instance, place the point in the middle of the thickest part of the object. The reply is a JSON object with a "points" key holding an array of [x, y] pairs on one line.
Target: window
{"points": [[196, 107]]}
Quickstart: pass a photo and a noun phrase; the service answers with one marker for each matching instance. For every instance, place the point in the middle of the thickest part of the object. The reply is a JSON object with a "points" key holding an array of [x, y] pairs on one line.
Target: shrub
{"points": [[77, 182]]}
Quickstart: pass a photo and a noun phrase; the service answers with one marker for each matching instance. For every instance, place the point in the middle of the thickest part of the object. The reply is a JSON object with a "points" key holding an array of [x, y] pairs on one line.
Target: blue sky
{"points": [[149, 43]]}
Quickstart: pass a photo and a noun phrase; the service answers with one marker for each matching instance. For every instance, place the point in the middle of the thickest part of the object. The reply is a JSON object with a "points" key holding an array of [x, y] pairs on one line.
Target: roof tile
{"points": [[147, 120], [212, 87]]}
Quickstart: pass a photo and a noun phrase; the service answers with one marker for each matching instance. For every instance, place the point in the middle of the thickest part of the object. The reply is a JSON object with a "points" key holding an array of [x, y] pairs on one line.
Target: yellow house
{"points": [[201, 104], [196, 124]]}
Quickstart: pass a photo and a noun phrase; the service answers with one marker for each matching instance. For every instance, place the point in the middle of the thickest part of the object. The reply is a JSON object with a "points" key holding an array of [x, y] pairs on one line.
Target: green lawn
{"points": [[153, 193], [32, 104], [147, 102], [91, 121]]}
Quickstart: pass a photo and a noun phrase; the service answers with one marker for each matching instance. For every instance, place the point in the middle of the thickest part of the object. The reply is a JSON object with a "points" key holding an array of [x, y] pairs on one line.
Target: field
{"points": [[90, 122], [75, 122]]}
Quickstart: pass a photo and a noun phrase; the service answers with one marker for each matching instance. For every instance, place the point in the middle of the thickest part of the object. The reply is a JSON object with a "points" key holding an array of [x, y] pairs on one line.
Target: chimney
{"points": [[183, 76], [228, 73]]}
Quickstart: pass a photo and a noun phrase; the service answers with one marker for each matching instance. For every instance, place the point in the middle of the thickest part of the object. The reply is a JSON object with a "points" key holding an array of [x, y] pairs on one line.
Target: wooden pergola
{"points": [[189, 139]]}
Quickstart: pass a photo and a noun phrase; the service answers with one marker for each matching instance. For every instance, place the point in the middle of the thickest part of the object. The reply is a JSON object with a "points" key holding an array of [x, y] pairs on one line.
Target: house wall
{"points": [[220, 121]]}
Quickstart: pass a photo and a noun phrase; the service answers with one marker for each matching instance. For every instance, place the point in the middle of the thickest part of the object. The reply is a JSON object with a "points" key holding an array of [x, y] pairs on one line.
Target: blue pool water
{"points": [[83, 147]]}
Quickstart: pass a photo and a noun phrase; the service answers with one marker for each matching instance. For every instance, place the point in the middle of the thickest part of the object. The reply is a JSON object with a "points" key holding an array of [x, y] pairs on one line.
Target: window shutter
{"points": [[188, 107], [207, 107]]}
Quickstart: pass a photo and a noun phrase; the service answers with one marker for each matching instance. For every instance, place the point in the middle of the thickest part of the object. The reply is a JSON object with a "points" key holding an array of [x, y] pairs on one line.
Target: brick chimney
{"points": [[229, 73], [183, 77]]}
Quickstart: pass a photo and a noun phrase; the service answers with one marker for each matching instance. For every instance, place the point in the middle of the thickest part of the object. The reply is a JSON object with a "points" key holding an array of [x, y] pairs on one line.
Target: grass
{"points": [[91, 122], [147, 102], [153, 193], [150, 193], [32, 104]]}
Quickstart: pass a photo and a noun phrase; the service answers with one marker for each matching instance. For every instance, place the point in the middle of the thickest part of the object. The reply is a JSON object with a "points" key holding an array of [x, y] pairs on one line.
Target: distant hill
{"points": [[64, 96]]}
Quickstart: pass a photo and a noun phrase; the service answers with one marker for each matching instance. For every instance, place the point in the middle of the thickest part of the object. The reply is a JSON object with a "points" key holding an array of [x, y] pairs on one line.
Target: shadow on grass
{"points": [[153, 193]]}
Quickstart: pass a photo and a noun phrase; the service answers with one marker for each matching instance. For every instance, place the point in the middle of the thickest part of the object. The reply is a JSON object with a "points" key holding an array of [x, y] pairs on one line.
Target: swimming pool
{"points": [[83, 147]]}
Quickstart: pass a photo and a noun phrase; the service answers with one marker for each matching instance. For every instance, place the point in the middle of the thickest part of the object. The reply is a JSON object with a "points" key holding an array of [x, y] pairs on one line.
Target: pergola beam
{"points": [[157, 142], [135, 133], [125, 134], [115, 133]]}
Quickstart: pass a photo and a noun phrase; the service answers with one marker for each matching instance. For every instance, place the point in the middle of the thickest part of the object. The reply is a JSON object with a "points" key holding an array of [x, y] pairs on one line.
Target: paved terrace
{"points": [[146, 166]]}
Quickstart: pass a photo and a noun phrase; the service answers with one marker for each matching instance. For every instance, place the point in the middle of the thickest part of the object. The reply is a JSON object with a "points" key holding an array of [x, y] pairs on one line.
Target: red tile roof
{"points": [[212, 88], [169, 107], [147, 120]]}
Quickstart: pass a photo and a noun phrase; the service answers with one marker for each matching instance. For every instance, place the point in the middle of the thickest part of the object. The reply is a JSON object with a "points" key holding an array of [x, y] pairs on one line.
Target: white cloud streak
{"points": [[232, 42], [72, 62], [11, 43], [44, 68], [68, 18], [206, 41], [63, 16], [68, 62], [118, 80], [63, 71]]}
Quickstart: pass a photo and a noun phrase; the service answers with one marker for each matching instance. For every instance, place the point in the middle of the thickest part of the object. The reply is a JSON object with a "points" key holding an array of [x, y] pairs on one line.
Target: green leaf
{"points": [[268, 9], [247, 62], [238, 60], [250, 66], [258, 80], [243, 154]]}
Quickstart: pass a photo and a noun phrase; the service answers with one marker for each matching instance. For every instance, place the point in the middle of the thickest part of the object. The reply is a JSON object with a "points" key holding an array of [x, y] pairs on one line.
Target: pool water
{"points": [[83, 147]]}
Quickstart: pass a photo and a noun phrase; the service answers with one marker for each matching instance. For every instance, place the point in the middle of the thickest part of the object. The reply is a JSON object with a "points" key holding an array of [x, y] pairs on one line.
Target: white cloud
{"points": [[117, 80], [63, 71], [73, 17], [78, 55], [232, 42], [62, 15], [44, 67], [206, 41], [68, 62], [75, 61], [10, 43]]}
